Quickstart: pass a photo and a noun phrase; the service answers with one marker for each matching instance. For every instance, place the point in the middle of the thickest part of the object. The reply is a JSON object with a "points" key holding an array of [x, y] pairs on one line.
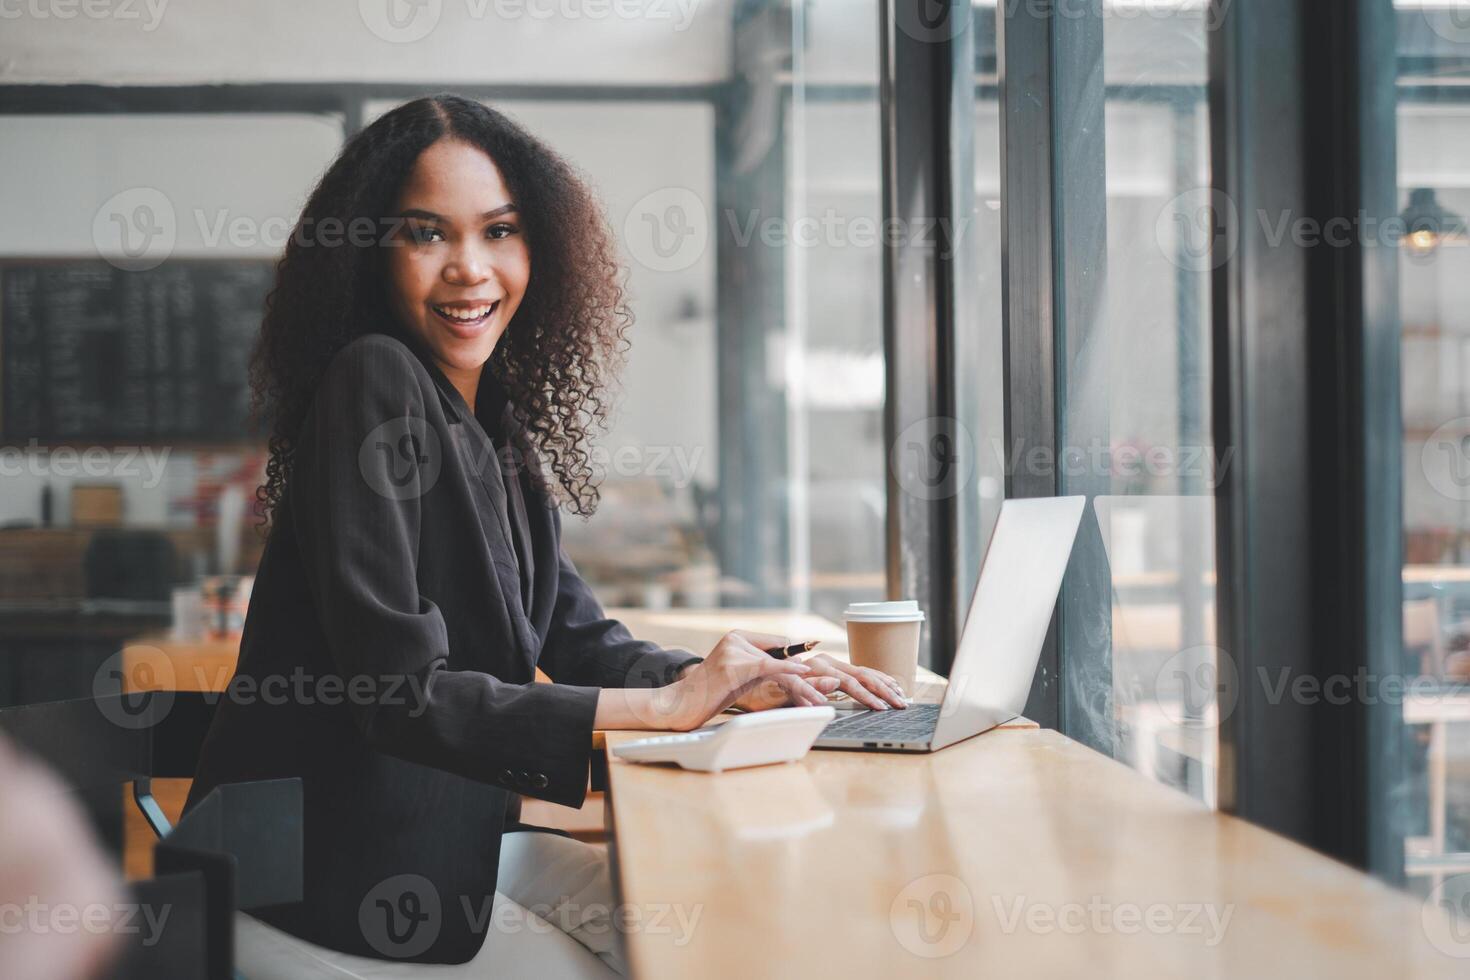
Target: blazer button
{"points": [[538, 781], [506, 777], [522, 780]]}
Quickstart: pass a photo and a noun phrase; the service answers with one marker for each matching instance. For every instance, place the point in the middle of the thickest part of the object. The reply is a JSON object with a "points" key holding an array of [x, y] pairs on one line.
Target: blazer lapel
{"points": [[476, 452]]}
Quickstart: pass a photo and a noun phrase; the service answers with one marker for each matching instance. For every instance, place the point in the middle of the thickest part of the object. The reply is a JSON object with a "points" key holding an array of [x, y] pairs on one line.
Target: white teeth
{"points": [[465, 315]]}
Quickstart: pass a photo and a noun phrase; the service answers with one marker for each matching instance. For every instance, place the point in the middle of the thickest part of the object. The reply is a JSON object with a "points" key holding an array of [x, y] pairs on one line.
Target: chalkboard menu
{"points": [[89, 352]]}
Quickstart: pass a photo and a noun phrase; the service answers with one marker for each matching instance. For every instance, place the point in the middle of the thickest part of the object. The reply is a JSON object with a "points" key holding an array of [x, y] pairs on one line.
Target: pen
{"points": [[786, 653]]}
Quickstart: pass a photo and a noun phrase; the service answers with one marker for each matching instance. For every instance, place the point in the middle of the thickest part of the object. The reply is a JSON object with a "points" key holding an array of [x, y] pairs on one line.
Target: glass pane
{"points": [[1431, 810], [134, 266], [745, 464], [1139, 661]]}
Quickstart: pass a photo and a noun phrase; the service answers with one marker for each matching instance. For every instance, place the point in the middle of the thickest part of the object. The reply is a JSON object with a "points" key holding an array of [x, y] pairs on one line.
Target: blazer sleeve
{"points": [[359, 533], [584, 646]]}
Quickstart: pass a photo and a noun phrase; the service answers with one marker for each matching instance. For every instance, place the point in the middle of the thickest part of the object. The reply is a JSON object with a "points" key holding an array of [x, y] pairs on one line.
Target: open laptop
{"points": [[1001, 643]]}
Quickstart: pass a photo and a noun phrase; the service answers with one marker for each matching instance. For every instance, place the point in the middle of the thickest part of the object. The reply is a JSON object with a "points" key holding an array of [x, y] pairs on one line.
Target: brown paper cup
{"points": [[886, 639]]}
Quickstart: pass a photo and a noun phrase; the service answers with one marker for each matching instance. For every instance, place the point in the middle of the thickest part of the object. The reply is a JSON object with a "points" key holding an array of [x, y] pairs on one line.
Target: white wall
{"points": [[136, 42]]}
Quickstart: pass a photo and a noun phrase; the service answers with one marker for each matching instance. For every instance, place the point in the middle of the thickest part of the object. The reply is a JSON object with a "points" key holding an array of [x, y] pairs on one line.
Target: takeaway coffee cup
{"points": [[885, 636]]}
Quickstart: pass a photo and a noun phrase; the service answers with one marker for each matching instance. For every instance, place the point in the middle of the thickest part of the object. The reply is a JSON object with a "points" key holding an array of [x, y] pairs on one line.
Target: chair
{"points": [[240, 848]]}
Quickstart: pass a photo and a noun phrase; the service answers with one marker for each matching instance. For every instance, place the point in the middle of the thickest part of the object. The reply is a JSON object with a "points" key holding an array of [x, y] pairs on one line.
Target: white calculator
{"points": [[755, 739]]}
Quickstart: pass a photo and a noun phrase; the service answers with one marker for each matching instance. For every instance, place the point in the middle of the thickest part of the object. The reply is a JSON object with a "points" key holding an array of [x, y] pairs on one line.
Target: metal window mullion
{"points": [[918, 79]]}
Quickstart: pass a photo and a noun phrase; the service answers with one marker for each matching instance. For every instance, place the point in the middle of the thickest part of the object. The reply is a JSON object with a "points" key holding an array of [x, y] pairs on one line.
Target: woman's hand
{"points": [[868, 687], [738, 671]]}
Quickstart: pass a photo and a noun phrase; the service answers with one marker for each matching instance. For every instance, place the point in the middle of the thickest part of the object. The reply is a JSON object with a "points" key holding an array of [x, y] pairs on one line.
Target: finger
{"points": [[883, 686], [802, 693], [764, 640], [770, 664], [853, 688], [870, 677]]}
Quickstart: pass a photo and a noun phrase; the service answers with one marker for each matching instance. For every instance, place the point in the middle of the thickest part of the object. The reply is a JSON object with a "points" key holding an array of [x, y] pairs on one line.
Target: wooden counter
{"points": [[1016, 853]]}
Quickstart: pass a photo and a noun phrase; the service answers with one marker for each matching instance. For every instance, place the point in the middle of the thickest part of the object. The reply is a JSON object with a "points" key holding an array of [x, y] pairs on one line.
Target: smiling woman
{"points": [[416, 382], [438, 248], [458, 278]]}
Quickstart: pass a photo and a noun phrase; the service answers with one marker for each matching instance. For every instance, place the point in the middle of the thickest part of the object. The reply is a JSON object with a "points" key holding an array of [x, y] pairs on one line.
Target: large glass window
{"points": [[736, 148], [1135, 218], [1431, 809]]}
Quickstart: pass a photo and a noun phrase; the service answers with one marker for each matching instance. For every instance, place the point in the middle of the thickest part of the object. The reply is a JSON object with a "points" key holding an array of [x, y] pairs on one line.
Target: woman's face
{"points": [[460, 263]]}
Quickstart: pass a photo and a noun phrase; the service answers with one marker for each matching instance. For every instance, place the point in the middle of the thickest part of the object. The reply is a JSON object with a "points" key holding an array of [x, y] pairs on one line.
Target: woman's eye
{"points": [[423, 234], [498, 232]]}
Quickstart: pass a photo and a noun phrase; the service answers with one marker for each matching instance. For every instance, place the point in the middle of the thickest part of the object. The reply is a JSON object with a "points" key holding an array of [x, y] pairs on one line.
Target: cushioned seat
{"points": [[263, 952]]}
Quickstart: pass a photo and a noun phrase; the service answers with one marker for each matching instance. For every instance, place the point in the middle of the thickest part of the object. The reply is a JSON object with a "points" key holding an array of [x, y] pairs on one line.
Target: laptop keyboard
{"points": [[914, 723]]}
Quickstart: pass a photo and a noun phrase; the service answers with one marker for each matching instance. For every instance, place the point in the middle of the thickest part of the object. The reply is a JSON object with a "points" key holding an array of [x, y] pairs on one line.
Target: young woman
{"points": [[444, 324]]}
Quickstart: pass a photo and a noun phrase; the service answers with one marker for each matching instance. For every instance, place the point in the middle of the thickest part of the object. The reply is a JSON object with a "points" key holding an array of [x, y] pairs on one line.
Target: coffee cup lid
{"points": [[897, 611]]}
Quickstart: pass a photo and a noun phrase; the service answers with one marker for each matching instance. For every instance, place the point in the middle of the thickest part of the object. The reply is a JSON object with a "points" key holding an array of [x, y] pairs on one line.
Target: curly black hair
{"points": [[561, 351]]}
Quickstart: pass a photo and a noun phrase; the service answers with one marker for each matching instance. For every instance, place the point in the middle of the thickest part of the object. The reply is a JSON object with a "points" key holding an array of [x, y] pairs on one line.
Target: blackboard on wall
{"points": [[89, 352]]}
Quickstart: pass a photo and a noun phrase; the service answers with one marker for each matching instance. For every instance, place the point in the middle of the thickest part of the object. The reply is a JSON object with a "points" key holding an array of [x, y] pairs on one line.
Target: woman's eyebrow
{"points": [[431, 216]]}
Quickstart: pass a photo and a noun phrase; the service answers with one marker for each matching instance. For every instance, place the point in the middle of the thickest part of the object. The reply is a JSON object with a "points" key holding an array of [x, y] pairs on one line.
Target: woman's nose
{"points": [[467, 267]]}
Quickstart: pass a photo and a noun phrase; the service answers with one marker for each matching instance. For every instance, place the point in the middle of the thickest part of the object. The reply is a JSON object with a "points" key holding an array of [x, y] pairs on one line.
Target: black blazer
{"points": [[388, 660]]}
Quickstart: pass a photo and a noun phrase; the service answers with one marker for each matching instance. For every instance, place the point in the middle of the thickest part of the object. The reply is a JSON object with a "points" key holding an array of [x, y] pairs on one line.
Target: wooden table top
{"points": [[1016, 853]]}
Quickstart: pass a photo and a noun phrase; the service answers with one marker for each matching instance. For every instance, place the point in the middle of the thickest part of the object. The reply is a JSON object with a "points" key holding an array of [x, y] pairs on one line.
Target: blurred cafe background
{"points": [[156, 156]]}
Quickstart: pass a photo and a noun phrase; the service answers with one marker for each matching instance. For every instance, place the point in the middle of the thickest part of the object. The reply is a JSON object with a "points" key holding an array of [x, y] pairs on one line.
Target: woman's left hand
{"points": [[870, 688]]}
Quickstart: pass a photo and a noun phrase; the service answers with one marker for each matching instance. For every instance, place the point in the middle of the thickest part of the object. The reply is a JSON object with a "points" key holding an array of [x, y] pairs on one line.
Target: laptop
{"points": [[1001, 643]]}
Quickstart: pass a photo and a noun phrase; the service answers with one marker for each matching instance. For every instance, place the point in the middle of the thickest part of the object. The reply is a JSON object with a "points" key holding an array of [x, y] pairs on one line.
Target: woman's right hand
{"points": [[737, 665]]}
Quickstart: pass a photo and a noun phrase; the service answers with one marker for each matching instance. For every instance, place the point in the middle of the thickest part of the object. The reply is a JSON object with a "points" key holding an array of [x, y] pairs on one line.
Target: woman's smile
{"points": [[466, 319]]}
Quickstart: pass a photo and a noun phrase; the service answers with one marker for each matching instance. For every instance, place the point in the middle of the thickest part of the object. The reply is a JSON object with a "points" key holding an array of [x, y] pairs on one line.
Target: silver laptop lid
{"points": [[1009, 615]]}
